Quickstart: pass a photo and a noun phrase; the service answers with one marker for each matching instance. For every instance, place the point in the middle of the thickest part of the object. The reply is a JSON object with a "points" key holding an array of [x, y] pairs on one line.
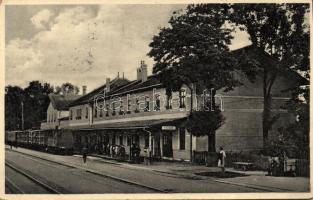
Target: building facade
{"points": [[122, 113]]}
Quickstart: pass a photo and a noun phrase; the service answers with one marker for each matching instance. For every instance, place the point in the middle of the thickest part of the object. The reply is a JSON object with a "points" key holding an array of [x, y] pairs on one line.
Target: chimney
{"points": [[84, 89], [123, 75], [118, 74], [142, 73], [107, 84], [138, 74]]}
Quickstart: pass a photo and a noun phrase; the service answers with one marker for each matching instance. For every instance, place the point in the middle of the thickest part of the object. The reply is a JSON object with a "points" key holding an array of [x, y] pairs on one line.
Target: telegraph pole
{"points": [[22, 104]]}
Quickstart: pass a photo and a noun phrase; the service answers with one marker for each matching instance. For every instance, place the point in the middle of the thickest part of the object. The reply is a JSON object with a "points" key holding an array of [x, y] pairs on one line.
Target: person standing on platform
{"points": [[221, 159], [84, 152]]}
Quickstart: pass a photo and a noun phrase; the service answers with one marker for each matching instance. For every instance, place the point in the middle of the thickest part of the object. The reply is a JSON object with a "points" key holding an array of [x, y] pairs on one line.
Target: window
{"points": [[207, 100], [121, 112], [96, 112], [147, 103], [169, 102], [101, 109], [71, 115], [113, 140], [146, 141], [86, 114], [182, 98], [114, 108], [182, 136], [121, 139], [211, 143], [129, 104], [128, 140], [78, 114], [137, 105], [107, 108], [157, 102]]}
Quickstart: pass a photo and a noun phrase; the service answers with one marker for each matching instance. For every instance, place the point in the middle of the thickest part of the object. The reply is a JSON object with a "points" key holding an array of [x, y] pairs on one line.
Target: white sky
{"points": [[83, 44]]}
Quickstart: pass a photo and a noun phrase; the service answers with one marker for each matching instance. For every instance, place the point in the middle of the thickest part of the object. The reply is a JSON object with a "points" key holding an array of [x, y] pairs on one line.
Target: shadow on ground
{"points": [[221, 175]]}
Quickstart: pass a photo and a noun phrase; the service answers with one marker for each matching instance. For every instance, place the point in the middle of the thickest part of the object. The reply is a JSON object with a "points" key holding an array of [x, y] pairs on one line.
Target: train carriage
{"points": [[53, 141], [10, 137], [60, 141]]}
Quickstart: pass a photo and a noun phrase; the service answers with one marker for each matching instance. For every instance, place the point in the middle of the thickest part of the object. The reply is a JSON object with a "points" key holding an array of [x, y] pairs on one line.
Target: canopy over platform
{"points": [[146, 124]]}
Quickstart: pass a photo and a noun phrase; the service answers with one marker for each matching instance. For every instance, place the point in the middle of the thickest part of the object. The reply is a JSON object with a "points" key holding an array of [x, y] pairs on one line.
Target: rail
{"points": [[35, 180]]}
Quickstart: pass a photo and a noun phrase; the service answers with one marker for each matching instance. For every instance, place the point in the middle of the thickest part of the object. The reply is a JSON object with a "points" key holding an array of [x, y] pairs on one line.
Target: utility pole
{"points": [[22, 115]]}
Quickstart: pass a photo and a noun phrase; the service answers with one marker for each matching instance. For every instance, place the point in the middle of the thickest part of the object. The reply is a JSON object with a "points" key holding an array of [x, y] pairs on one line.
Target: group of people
{"points": [[118, 150], [114, 151], [135, 153]]}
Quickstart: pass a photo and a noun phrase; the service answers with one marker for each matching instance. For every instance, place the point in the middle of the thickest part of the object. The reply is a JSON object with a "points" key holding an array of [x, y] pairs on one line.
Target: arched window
{"points": [[86, 114], [182, 98], [157, 102], [147, 103]]}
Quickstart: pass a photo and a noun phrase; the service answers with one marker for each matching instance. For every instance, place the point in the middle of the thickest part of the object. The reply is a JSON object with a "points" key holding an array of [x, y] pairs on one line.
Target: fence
{"points": [[302, 167], [204, 157]]}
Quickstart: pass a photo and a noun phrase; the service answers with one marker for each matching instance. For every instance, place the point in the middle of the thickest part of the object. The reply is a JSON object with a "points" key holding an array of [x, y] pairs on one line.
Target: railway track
{"points": [[37, 183], [153, 189]]}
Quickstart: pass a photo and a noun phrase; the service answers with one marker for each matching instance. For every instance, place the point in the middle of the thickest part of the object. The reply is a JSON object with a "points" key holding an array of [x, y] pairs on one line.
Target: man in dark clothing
{"points": [[84, 152]]}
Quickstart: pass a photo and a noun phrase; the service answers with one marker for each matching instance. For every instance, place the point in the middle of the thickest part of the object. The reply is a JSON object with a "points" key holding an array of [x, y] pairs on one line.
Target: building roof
{"points": [[270, 62], [121, 86], [137, 85], [114, 84], [62, 102]]}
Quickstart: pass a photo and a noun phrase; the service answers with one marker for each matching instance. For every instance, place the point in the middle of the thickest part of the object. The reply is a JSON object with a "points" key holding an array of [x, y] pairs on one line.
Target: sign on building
{"points": [[168, 128]]}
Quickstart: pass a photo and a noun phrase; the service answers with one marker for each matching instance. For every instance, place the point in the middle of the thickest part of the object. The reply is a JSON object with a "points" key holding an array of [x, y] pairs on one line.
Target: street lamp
{"points": [[22, 104]]}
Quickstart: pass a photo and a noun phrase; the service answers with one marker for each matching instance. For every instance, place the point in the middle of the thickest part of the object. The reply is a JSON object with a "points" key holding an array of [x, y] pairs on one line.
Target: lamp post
{"points": [[22, 104]]}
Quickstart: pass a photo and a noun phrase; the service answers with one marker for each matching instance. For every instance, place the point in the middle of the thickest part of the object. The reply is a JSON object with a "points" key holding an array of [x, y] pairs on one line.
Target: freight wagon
{"points": [[53, 141]]}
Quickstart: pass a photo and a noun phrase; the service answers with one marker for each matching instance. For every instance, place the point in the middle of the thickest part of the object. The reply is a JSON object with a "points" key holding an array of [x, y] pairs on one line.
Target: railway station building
{"points": [[123, 112]]}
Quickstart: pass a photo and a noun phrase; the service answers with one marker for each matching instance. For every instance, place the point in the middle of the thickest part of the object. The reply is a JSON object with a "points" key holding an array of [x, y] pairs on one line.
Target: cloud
{"points": [[41, 19], [84, 46]]}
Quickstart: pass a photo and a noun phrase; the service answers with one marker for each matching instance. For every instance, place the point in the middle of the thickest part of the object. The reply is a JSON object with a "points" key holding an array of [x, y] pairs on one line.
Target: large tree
{"points": [[193, 51], [13, 110], [33, 101], [294, 138], [66, 88], [36, 102], [281, 31]]}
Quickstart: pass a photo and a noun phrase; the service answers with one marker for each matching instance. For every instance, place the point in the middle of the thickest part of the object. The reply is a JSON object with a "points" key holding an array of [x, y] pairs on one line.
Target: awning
{"points": [[130, 125]]}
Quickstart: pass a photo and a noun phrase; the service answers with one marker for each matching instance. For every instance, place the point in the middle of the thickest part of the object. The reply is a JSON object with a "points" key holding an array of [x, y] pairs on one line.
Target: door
{"points": [[157, 149], [167, 144]]}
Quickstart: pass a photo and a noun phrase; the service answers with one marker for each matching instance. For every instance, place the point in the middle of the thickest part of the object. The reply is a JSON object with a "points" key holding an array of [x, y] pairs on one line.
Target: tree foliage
{"points": [[13, 99], [205, 123], [194, 49], [35, 101], [280, 30], [67, 88], [294, 139]]}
